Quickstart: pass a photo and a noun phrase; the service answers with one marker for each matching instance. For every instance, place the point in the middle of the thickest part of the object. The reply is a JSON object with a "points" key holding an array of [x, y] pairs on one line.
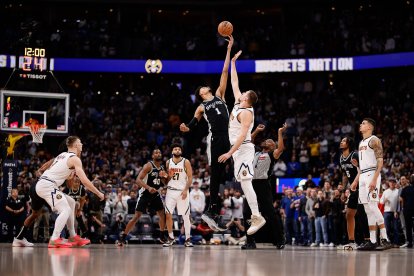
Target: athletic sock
{"points": [[383, 233], [373, 236], [22, 233]]}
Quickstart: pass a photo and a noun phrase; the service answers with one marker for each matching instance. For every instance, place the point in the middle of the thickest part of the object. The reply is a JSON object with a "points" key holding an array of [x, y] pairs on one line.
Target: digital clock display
{"points": [[33, 59]]}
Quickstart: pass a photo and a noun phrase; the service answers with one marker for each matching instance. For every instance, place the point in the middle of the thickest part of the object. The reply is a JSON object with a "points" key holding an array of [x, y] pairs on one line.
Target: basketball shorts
{"points": [[243, 162], [353, 200], [365, 195], [152, 201], [174, 199], [50, 193]]}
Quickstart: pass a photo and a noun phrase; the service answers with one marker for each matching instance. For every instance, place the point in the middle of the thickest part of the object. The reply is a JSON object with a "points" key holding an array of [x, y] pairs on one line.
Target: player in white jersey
{"points": [[370, 155], [64, 166], [180, 177], [242, 149]]}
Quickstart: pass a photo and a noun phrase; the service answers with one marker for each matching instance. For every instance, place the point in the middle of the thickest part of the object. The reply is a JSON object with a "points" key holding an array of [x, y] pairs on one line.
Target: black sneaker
{"points": [[368, 246], [280, 246], [188, 243], [122, 240], [169, 242], [384, 245], [248, 246]]}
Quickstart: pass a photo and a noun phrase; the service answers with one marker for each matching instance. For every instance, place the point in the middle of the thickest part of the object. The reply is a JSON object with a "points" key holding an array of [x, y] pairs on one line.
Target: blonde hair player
{"points": [[370, 155], [64, 166], [242, 149]]}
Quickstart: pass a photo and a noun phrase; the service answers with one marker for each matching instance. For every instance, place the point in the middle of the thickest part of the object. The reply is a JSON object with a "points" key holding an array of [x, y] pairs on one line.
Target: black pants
{"points": [[14, 222], [408, 216], [219, 145], [265, 201], [361, 225]]}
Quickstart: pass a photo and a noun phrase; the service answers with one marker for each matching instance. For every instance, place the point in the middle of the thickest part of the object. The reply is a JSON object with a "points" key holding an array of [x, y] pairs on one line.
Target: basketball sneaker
{"points": [[59, 243], [368, 246], [211, 220], [188, 243], [169, 242], [249, 246], [256, 222], [384, 245], [348, 247], [22, 243], [78, 241]]}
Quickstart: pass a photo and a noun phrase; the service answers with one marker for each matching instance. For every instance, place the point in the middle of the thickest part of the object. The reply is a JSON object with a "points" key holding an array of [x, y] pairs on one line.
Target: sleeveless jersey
{"points": [[76, 195], [179, 179], [216, 115], [367, 159], [59, 171], [235, 125], [347, 167], [153, 178]]}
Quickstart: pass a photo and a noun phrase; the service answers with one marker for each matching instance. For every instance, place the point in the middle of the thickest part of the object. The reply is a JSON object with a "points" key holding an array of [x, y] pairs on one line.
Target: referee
{"points": [[263, 164]]}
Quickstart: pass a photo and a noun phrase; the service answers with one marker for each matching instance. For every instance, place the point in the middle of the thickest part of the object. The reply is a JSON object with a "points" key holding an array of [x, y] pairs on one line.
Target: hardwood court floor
{"points": [[201, 260]]}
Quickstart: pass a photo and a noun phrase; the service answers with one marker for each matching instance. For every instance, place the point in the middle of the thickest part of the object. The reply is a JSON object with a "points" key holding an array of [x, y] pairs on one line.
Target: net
{"points": [[37, 132]]}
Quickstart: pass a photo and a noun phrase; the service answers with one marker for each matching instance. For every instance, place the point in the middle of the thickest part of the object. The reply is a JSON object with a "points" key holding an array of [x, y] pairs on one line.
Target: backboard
{"points": [[51, 109]]}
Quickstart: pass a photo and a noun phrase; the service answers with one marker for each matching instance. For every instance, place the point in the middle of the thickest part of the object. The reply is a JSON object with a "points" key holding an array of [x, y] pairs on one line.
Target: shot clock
{"points": [[34, 59]]}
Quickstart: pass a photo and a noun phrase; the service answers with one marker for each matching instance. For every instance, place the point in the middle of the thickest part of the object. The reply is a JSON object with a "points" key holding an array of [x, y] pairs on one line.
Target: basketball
{"points": [[225, 28]]}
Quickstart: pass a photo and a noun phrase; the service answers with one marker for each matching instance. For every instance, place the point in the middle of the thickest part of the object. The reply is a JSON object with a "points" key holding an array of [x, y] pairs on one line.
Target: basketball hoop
{"points": [[37, 131]]}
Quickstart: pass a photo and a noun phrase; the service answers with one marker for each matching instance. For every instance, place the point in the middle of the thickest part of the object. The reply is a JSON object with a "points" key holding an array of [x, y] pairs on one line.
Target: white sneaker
{"points": [[314, 244], [256, 223], [324, 245], [404, 245], [331, 244], [348, 247], [22, 243]]}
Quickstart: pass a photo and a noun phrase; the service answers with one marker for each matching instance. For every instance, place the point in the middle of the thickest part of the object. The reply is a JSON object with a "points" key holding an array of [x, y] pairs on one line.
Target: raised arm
{"points": [[376, 145], [221, 90], [258, 129], [280, 144], [77, 164], [234, 78], [197, 117]]}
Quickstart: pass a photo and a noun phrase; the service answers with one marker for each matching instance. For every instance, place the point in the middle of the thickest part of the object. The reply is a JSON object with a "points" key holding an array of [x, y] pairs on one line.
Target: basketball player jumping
{"points": [[180, 176], [369, 176], [349, 167], [214, 110], [242, 149], [149, 179], [47, 190]]}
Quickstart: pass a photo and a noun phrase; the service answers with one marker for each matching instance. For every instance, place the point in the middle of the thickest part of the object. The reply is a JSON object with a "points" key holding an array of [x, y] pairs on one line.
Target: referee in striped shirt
{"points": [[263, 164]]}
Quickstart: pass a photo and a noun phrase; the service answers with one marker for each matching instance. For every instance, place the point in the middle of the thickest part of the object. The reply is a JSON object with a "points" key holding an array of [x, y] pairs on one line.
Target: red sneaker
{"points": [[78, 241], [59, 243]]}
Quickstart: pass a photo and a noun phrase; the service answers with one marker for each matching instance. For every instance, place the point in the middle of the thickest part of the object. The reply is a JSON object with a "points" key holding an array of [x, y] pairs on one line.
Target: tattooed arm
{"points": [[376, 145]]}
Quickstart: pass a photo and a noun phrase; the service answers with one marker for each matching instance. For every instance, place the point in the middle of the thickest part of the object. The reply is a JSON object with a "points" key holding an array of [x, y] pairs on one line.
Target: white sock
{"points": [[171, 235], [187, 226], [383, 233], [373, 236], [61, 220], [250, 194]]}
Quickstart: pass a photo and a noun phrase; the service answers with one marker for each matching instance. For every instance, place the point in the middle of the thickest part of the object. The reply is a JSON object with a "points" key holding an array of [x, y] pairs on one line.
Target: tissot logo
{"points": [[33, 76]]}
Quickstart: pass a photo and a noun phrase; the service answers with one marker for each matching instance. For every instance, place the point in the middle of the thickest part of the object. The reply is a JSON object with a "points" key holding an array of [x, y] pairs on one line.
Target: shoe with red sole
{"points": [[78, 241], [59, 243]]}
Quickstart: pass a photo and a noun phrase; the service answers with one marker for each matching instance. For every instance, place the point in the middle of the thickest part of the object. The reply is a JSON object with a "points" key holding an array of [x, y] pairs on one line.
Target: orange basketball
{"points": [[225, 28]]}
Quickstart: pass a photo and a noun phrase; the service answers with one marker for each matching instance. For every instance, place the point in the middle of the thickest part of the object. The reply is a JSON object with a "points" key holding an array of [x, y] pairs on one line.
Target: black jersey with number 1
{"points": [[347, 167], [217, 116]]}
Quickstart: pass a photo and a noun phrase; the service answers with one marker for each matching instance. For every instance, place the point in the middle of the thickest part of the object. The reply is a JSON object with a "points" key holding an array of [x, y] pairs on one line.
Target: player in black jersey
{"points": [[78, 193], [349, 166], [150, 178], [215, 112]]}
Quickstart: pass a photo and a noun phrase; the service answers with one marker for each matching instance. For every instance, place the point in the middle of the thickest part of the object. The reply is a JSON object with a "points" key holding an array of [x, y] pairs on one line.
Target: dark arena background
{"points": [[123, 76]]}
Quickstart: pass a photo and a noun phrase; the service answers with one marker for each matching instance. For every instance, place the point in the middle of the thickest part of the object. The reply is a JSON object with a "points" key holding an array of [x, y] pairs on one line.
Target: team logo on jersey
{"points": [[244, 172], [58, 196], [153, 66], [374, 195]]}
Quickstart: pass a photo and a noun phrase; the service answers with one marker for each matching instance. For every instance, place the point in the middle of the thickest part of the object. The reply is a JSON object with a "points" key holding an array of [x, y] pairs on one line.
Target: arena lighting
{"points": [[149, 66]]}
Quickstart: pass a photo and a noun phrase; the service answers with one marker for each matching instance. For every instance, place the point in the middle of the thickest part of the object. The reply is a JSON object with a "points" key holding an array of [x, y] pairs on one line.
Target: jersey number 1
{"points": [[218, 111]]}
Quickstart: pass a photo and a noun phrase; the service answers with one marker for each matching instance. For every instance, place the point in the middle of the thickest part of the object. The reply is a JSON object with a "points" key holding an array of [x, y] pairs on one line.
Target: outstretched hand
{"points": [[231, 41], [184, 128], [283, 128], [236, 56]]}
